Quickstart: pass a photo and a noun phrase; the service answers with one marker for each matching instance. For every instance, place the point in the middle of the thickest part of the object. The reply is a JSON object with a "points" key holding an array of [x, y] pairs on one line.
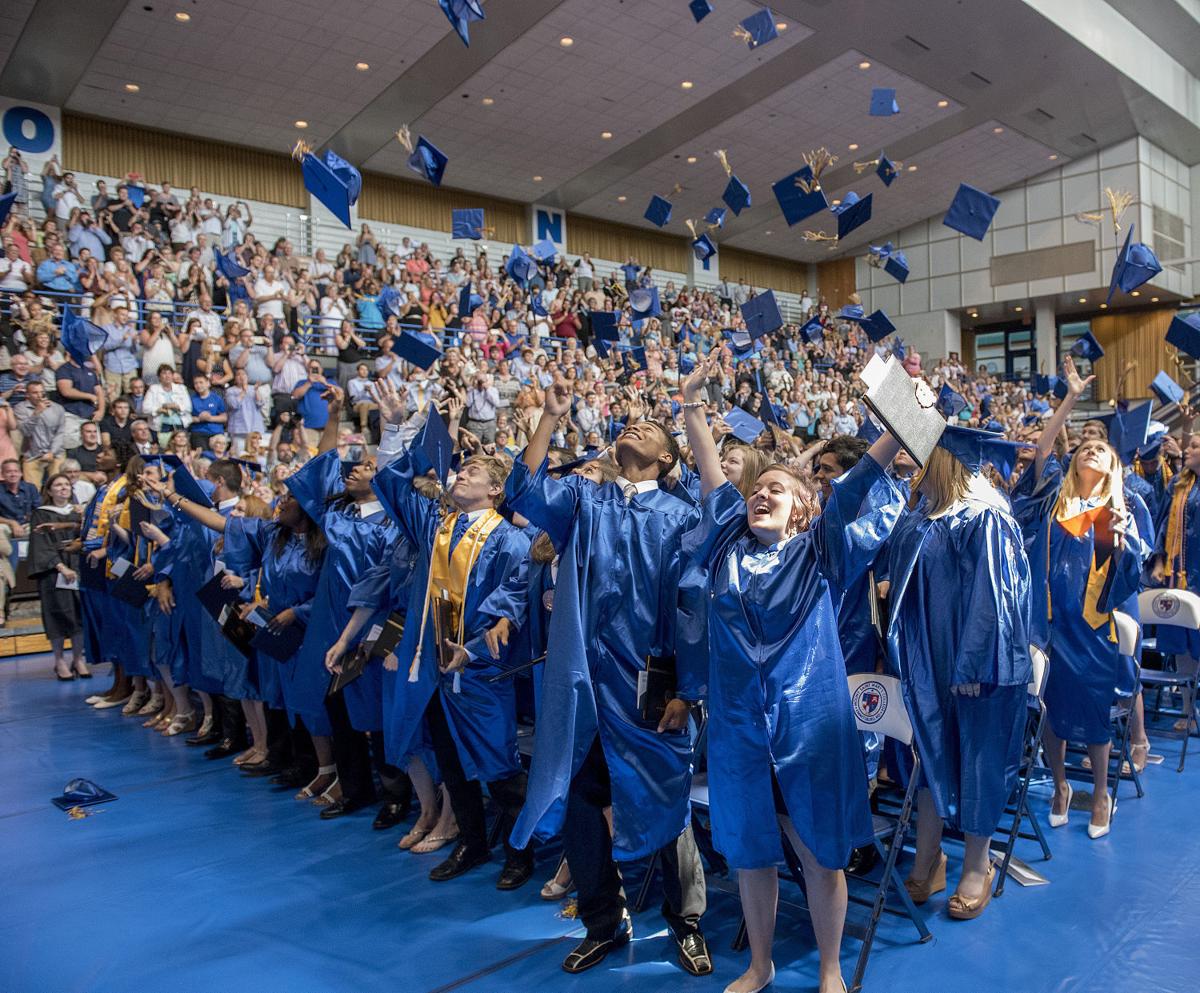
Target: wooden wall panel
{"points": [[837, 280], [415, 204], [110, 148], [617, 242], [1133, 337], [763, 271]]}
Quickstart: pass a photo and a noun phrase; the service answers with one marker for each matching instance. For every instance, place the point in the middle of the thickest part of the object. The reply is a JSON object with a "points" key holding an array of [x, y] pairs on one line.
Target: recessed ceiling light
{"points": [[182, 17], [691, 160], [687, 84], [302, 125], [1136, 293], [1018, 309], [943, 103], [1083, 299], [1053, 158], [1104, 306], [622, 198], [781, 25], [606, 135], [974, 313], [853, 146], [131, 87], [487, 101], [1154, 299], [997, 130], [362, 66], [768, 232], [566, 42], [537, 179], [836, 202], [864, 65], [912, 168]]}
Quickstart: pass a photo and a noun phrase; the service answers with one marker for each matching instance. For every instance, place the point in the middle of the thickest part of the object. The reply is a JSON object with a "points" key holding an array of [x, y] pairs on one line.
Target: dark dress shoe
{"points": [[862, 860], [263, 768], [210, 737], [291, 777], [589, 952], [464, 858], [390, 814], [340, 808], [225, 747], [516, 873], [693, 954]]}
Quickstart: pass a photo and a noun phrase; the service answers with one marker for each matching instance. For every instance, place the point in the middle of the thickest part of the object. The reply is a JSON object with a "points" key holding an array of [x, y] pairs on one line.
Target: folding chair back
{"points": [[1172, 608], [1041, 669], [1128, 632], [879, 707]]}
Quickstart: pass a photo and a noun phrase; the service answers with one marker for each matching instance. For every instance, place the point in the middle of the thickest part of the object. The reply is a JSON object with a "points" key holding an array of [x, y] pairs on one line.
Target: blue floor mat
{"points": [[197, 878]]}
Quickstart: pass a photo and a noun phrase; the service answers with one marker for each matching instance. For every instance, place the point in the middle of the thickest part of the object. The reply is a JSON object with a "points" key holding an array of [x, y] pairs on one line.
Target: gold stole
{"points": [[1176, 526], [449, 574], [1098, 520]]}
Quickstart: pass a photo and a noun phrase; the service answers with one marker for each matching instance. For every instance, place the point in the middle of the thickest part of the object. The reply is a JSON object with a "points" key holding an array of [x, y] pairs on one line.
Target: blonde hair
{"points": [[806, 507], [497, 466], [1111, 489], [754, 464], [942, 480]]}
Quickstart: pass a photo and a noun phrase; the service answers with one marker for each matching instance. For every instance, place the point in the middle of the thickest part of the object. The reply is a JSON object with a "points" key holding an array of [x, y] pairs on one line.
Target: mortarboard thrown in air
{"points": [[460, 14], [467, 222], [761, 314], [634, 358], [186, 485], [746, 427], [80, 337], [468, 302], [794, 202], [813, 331], [643, 302], [971, 212], [759, 28], [1136, 264], [1044, 384], [886, 170], [417, 347], [428, 161], [687, 362], [228, 266], [333, 181], [389, 300], [604, 325], [883, 102], [890, 260], [852, 212], [700, 9], [1184, 333], [742, 345], [589, 455], [975, 449], [435, 445], [544, 251], [137, 194], [1127, 430], [876, 324], [716, 217], [852, 311], [736, 196], [6, 203], [1166, 389], [520, 267], [658, 211], [703, 248], [1087, 347]]}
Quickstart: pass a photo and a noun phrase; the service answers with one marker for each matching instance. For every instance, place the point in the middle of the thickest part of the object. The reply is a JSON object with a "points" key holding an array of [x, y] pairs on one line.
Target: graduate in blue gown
{"points": [[781, 729], [620, 563], [958, 638], [1087, 559]]}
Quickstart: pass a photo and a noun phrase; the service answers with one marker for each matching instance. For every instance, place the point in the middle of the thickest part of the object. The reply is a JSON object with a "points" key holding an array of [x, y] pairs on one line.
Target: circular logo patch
{"points": [[1166, 605], [870, 701]]}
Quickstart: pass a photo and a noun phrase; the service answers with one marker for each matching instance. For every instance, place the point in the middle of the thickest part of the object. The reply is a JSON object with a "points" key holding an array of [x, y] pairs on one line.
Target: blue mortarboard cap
{"points": [[604, 325], [80, 337], [1149, 452], [760, 27], [813, 331], [851, 312], [742, 345], [761, 314], [971, 212], [703, 248], [428, 161], [883, 102], [886, 170], [1087, 347], [520, 267], [1039, 406], [228, 266], [460, 14], [468, 301], [852, 212], [6, 204], [417, 347], [868, 430], [345, 172], [467, 222], [1136, 264], [898, 348], [604, 346], [643, 302], [82, 793], [687, 362], [896, 266], [1166, 389], [876, 325], [333, 181], [1044, 384], [187, 485], [1029, 420], [746, 427], [389, 300], [635, 357], [658, 212], [1060, 387], [736, 196], [985, 405], [254, 468], [1128, 430], [435, 444], [715, 216], [770, 415], [949, 403], [1184, 333], [137, 194], [974, 449], [700, 9], [590, 455], [793, 201], [544, 250]]}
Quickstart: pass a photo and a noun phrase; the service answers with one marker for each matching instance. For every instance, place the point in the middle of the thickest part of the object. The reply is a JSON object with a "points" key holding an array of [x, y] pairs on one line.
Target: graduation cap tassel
{"points": [[817, 236], [817, 161], [301, 149], [1118, 202], [404, 136], [724, 160], [1119, 394]]}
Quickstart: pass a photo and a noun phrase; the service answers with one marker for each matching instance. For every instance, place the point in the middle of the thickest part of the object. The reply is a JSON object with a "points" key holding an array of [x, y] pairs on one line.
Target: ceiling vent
{"points": [[974, 81], [1039, 116], [908, 45], [1083, 140]]}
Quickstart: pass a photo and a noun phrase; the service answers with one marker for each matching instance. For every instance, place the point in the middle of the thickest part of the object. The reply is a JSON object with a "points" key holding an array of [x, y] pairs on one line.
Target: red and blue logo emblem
{"points": [[870, 701]]}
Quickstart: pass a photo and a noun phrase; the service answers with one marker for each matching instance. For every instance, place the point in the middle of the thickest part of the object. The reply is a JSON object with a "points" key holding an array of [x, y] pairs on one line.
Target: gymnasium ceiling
{"points": [[991, 93]]}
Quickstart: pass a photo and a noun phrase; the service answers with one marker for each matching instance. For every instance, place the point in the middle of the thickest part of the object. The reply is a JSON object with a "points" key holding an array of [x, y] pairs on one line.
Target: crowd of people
{"points": [[359, 574]]}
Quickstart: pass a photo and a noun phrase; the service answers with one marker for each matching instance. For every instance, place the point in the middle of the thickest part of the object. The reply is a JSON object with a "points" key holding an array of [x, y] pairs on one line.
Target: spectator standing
{"points": [[482, 402], [209, 415], [312, 405], [87, 452], [67, 198], [43, 427], [81, 395], [269, 294], [158, 343], [245, 415], [289, 367], [167, 403], [120, 352]]}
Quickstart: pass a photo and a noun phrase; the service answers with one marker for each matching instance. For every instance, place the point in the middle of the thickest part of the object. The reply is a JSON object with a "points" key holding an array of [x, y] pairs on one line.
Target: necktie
{"points": [[460, 529], [353, 510], [630, 492]]}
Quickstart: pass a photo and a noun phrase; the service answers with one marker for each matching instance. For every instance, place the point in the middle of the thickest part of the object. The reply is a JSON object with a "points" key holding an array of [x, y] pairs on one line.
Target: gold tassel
{"points": [[817, 236], [404, 136], [817, 161], [691, 226], [1118, 202], [301, 149], [724, 159]]}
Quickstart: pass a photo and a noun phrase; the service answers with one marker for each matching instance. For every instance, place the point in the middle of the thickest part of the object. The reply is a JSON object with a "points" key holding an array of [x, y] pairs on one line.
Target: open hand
{"points": [[497, 635]]}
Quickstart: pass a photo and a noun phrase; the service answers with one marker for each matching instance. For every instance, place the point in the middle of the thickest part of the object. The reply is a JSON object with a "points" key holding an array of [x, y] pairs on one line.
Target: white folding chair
{"points": [[1171, 608]]}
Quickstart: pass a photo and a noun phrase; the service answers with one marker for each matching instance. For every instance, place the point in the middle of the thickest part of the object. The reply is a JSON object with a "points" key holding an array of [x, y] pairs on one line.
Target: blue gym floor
{"points": [[198, 879]]}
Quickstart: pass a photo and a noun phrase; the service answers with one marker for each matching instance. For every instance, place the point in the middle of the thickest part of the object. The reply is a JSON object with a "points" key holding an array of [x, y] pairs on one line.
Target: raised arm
{"points": [[700, 439], [1075, 387], [205, 515], [558, 402]]}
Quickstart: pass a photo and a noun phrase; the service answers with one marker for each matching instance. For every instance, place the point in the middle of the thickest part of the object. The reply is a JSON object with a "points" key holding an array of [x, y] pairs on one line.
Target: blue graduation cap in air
{"points": [[813, 331], [389, 300], [971, 212], [435, 446], [886, 170], [700, 9], [687, 362], [1136, 264], [715, 216], [1087, 347], [6, 204], [742, 345], [736, 195], [761, 314], [1166, 389], [760, 27], [643, 302], [658, 211], [1044, 384], [544, 250], [975, 449], [634, 358], [746, 427], [883, 102], [1184, 333], [852, 212], [228, 266], [604, 325], [877, 325], [428, 161], [186, 485], [795, 203], [949, 403], [467, 222], [80, 337], [703, 248], [520, 267], [460, 14], [333, 181], [851, 312], [417, 347], [137, 194], [1128, 429], [468, 301], [890, 260]]}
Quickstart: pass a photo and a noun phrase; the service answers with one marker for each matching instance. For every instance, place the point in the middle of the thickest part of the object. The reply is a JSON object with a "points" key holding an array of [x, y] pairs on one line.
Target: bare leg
{"points": [[759, 889], [827, 901], [207, 703], [1139, 743], [1099, 756], [1055, 750], [976, 862], [929, 836], [326, 769], [61, 669], [426, 792], [256, 720]]}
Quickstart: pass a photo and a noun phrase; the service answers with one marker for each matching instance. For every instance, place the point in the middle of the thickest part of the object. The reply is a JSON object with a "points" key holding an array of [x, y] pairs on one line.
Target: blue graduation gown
{"points": [[482, 716], [220, 663], [1084, 661], [354, 544], [289, 581], [97, 611], [960, 602], [618, 577], [778, 698], [188, 566], [1175, 640], [131, 625], [168, 628]]}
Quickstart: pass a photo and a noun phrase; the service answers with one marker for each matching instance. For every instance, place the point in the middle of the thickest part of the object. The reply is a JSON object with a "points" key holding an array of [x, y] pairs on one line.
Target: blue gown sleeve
{"points": [[857, 519], [315, 482], [722, 517], [372, 588], [549, 503], [1126, 570], [510, 557], [416, 516], [510, 600], [245, 543]]}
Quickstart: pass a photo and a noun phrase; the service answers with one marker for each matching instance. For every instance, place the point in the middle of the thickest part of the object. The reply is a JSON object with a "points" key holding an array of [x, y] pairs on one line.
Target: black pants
{"points": [[287, 746], [466, 795], [352, 753], [395, 786], [587, 846], [233, 720]]}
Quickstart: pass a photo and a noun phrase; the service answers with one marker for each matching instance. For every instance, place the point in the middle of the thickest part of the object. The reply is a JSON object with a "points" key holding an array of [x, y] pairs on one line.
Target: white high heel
{"points": [[1058, 820], [1099, 831]]}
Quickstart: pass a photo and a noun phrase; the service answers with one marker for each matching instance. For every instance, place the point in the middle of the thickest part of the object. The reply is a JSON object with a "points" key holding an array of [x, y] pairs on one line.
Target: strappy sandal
{"points": [[963, 908], [180, 724], [415, 835], [308, 793], [332, 794], [433, 842], [920, 890]]}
